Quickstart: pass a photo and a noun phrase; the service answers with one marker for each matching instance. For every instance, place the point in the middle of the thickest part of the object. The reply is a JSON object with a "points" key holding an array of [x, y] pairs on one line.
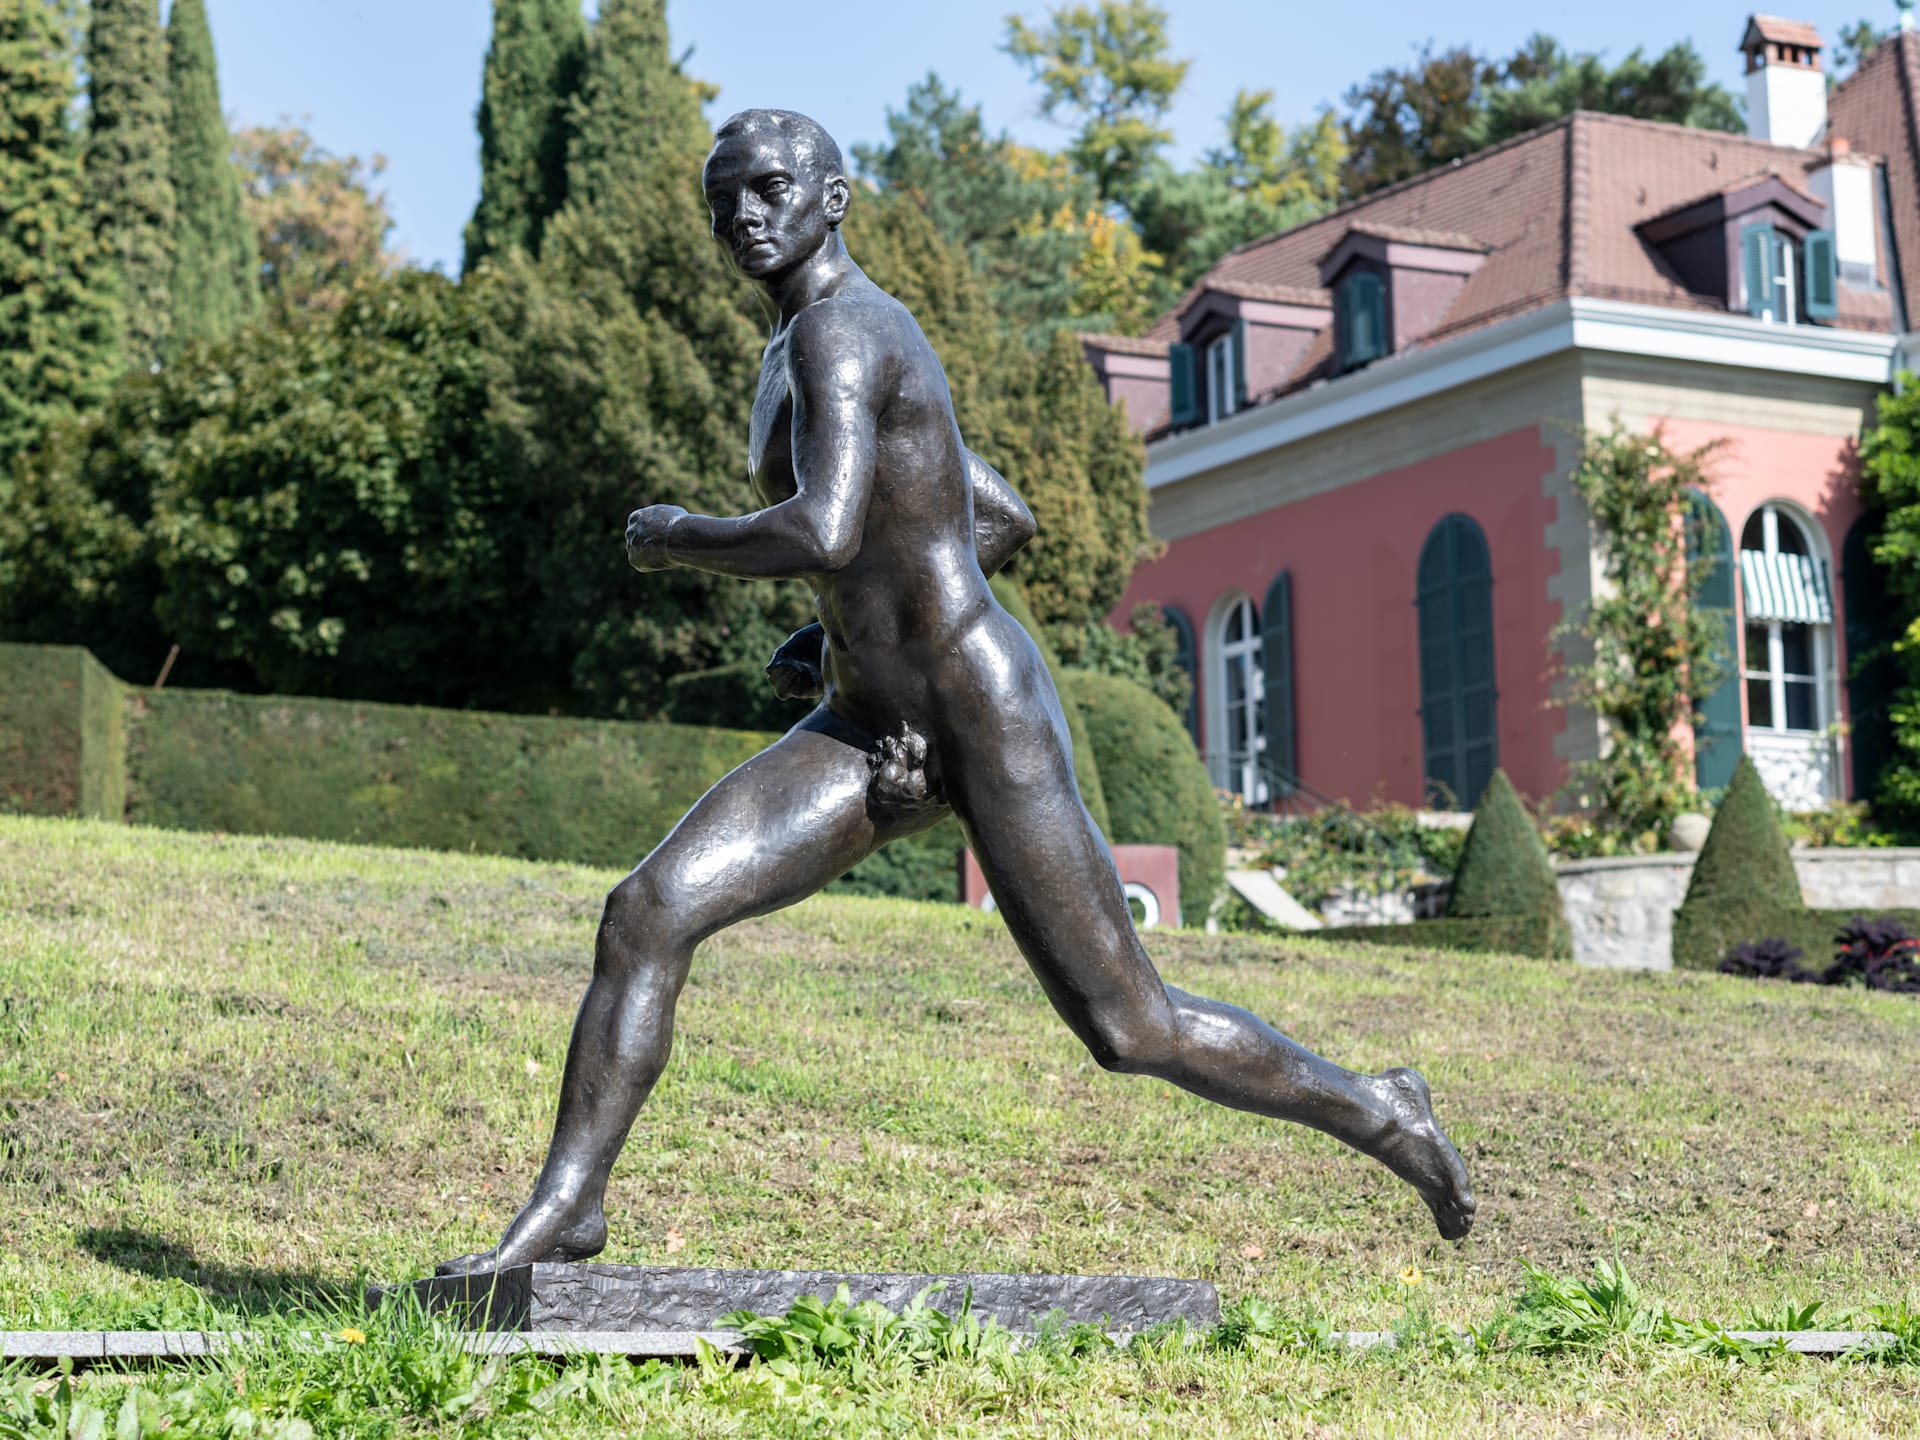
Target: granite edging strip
{"points": [[661, 1344]]}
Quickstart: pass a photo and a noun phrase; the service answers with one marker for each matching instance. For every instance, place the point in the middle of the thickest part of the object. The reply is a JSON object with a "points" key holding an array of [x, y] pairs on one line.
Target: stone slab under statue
{"points": [[930, 701], [557, 1299]]}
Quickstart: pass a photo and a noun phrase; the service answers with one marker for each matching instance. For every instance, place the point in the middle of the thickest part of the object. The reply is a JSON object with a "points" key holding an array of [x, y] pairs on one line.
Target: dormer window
{"points": [[1788, 281], [1360, 310]]}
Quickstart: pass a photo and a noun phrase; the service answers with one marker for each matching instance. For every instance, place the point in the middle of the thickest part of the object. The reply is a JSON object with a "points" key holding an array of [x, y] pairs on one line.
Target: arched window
{"points": [[1187, 656], [1237, 727], [1276, 661], [1788, 657], [1872, 676], [1457, 695], [1716, 733]]}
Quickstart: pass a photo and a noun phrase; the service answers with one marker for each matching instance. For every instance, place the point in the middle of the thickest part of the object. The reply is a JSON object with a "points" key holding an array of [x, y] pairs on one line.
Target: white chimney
{"points": [[1845, 182], [1786, 89]]}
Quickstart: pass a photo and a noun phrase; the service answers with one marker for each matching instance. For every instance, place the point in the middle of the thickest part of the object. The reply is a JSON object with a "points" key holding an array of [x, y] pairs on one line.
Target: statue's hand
{"points": [[647, 536], [794, 671]]}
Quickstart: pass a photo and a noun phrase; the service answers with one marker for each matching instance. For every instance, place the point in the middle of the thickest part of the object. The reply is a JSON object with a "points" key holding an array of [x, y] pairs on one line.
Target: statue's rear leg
{"points": [[1053, 880], [773, 832]]}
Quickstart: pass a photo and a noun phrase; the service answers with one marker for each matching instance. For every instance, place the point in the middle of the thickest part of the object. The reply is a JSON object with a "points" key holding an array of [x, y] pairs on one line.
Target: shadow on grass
{"points": [[158, 1257]]}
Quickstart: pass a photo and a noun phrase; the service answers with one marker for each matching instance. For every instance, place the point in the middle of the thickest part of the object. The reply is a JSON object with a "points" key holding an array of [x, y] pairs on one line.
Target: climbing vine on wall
{"points": [[1890, 466], [1651, 653]]}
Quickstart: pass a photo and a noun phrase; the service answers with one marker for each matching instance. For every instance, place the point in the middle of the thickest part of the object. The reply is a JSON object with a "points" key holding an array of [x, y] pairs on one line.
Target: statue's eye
{"points": [[775, 186]]}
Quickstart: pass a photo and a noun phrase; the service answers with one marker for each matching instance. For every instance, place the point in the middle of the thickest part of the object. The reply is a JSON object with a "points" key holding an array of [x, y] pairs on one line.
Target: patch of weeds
{"points": [[821, 1345], [1255, 1327]]}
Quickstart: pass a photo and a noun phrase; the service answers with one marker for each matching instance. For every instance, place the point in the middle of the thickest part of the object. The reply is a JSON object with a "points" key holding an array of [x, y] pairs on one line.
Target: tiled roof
{"points": [[1778, 31], [1413, 235], [1122, 344], [1877, 108], [1555, 212]]}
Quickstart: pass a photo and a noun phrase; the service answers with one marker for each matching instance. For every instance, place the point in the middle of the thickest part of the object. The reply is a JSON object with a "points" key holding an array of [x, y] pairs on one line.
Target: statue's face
{"points": [[770, 210]]}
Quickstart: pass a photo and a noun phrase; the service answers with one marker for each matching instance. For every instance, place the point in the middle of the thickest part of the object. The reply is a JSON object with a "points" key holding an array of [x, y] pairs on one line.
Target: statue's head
{"points": [[777, 189]]}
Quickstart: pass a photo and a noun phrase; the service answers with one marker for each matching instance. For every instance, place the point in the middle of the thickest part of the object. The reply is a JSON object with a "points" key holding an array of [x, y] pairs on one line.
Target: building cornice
{"points": [[1579, 323]]}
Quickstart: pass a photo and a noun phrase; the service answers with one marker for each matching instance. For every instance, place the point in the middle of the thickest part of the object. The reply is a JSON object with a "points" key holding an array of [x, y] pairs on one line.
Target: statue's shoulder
{"points": [[858, 319]]}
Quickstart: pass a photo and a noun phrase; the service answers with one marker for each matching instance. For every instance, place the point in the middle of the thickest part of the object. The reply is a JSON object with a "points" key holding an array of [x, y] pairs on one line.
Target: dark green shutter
{"points": [[1756, 256], [1276, 661], [1186, 394], [1823, 276], [1717, 738], [1239, 358], [1186, 655], [1873, 677], [1458, 699]]}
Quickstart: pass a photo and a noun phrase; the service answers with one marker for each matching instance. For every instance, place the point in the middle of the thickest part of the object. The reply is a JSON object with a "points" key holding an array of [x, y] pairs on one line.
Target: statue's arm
{"points": [[835, 376]]}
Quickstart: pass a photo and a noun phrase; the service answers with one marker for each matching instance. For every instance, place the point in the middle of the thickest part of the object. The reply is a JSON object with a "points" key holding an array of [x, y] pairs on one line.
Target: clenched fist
{"points": [[647, 536]]}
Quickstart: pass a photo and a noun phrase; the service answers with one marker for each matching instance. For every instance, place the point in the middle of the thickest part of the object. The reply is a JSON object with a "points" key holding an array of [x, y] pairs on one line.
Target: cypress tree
{"points": [[216, 258], [59, 317], [128, 169], [533, 70]]}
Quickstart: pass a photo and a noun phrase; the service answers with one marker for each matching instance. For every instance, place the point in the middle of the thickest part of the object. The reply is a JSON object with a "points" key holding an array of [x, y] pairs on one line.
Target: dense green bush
{"points": [[1329, 851], [1744, 886], [535, 787], [63, 734], [1504, 869], [1157, 790], [1541, 936]]}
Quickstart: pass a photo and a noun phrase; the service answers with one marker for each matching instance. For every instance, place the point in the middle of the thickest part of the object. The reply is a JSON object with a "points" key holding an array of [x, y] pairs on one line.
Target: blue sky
{"points": [[402, 77]]}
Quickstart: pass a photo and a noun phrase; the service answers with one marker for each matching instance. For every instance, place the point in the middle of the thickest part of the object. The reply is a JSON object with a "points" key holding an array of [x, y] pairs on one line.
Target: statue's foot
{"points": [[545, 1233], [1418, 1151]]}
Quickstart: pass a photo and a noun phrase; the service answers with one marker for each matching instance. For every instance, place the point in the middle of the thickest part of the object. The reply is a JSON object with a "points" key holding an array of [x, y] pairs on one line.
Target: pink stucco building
{"points": [[1360, 431]]}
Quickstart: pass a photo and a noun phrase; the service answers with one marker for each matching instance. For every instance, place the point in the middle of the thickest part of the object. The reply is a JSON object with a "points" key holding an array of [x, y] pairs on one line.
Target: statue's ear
{"points": [[839, 197]]}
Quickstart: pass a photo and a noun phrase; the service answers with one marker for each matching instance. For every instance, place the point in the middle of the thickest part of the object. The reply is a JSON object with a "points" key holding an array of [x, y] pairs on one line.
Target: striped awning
{"points": [[1785, 587]]}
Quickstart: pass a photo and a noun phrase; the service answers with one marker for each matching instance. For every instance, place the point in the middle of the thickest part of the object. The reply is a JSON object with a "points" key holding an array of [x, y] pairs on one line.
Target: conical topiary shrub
{"points": [[1504, 869], [1746, 859], [1744, 886]]}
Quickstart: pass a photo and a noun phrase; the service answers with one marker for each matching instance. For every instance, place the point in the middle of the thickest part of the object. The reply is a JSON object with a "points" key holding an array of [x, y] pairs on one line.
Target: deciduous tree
{"points": [[1104, 67], [317, 224]]}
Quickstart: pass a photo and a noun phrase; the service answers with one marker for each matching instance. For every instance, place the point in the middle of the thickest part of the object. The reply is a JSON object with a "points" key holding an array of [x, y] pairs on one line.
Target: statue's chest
{"points": [[769, 437]]}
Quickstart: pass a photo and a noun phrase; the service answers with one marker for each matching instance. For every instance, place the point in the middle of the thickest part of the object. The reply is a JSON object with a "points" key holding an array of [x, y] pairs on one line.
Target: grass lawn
{"points": [[241, 1076]]}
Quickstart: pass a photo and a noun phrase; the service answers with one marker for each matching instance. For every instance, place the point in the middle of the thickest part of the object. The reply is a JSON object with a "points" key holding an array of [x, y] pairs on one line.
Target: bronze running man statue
{"points": [[932, 699]]}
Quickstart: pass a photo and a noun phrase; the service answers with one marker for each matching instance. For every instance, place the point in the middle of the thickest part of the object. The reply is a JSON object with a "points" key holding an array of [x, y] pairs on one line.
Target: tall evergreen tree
{"points": [[216, 260], [129, 166], [533, 70], [59, 319]]}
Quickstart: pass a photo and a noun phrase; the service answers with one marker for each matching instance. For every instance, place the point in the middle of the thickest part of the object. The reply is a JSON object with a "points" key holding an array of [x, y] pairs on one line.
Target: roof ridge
{"points": [[1577, 196]]}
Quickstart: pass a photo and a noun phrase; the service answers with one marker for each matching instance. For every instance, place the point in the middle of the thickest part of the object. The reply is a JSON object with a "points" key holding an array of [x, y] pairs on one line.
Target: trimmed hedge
{"points": [[1541, 936], [531, 786], [1158, 792], [63, 733]]}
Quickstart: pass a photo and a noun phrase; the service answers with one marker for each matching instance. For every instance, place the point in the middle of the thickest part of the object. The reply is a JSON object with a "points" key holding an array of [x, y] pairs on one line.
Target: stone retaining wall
{"points": [[1621, 909]]}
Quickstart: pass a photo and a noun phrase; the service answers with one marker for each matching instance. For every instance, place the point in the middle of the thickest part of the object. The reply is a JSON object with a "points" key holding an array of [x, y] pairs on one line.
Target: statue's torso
{"points": [[901, 617]]}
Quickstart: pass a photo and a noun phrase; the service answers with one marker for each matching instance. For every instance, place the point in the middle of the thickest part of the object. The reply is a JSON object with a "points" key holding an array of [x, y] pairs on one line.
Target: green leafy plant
{"points": [[1653, 653], [865, 1345]]}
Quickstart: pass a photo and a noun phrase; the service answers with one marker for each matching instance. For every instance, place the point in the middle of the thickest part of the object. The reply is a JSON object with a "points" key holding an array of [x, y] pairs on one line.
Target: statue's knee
{"points": [[1131, 1043], [635, 924]]}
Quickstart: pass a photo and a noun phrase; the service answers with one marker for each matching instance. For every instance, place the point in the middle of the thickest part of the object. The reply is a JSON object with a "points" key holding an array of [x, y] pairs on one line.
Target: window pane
{"points": [[1796, 644], [1754, 536], [1802, 705], [1793, 540], [1236, 680], [1760, 704], [1757, 652], [1236, 624]]}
